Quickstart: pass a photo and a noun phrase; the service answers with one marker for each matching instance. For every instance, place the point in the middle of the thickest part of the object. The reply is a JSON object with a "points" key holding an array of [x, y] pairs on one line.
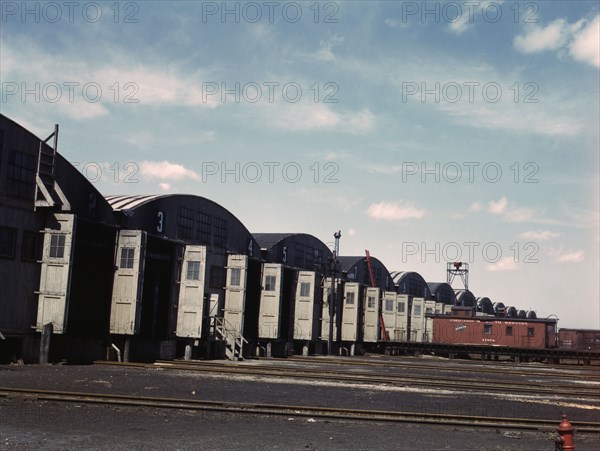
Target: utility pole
{"points": [[332, 301]]}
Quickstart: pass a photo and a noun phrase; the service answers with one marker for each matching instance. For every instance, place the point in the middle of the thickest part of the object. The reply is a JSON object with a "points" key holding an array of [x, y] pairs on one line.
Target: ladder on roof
{"points": [[385, 336], [47, 192]]}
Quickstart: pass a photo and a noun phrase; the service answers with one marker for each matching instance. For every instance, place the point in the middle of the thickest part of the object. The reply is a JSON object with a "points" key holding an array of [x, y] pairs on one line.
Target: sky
{"points": [[426, 132]]}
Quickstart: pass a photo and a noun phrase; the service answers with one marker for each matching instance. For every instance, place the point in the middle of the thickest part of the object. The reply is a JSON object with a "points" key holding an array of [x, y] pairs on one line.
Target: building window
{"points": [[217, 277], [389, 305], [127, 254], [235, 278], [270, 282], [487, 329], [57, 246], [428, 311], [220, 233], [31, 249], [305, 289], [8, 242], [509, 331], [349, 298], [416, 310], [20, 174], [193, 270], [185, 223], [530, 331], [203, 228], [371, 302], [401, 307]]}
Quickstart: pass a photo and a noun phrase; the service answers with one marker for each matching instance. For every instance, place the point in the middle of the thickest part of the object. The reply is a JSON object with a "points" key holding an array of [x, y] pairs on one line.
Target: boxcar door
{"points": [[270, 301], [235, 292], [53, 303], [126, 305], [388, 309], [305, 298], [325, 319], [350, 311], [371, 333], [191, 292]]}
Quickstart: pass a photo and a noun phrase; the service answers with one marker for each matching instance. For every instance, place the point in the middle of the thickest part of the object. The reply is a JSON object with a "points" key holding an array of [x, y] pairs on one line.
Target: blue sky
{"points": [[419, 129]]}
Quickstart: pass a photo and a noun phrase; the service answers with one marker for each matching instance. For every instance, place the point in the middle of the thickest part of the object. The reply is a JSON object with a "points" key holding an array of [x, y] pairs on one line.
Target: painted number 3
{"points": [[160, 226]]}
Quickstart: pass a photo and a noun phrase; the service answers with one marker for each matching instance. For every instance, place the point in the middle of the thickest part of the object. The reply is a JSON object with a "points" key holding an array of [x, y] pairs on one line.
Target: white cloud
{"points": [[314, 116], [521, 214], [571, 256], [497, 207], [537, 39], [581, 40], [511, 213], [390, 211], [539, 235], [476, 206], [82, 89], [504, 264], [461, 17], [351, 232], [163, 170], [165, 186], [586, 44]]}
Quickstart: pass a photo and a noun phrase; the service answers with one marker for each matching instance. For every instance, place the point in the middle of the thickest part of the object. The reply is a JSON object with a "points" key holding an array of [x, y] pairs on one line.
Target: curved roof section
{"points": [[412, 283], [85, 200], [442, 292], [119, 203], [485, 305], [298, 250], [465, 298], [185, 217], [357, 268]]}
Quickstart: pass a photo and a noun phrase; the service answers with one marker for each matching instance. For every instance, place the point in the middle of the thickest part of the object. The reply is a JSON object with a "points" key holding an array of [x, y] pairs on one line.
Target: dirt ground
{"points": [[31, 424]]}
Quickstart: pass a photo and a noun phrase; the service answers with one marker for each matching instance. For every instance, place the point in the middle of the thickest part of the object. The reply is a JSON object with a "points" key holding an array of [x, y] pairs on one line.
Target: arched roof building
{"points": [[299, 250], [358, 271], [187, 218], [442, 292], [485, 305], [412, 283], [465, 298]]}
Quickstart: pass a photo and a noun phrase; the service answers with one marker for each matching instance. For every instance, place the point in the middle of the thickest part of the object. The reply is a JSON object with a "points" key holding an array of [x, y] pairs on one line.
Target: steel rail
{"points": [[395, 380], [294, 411], [444, 366]]}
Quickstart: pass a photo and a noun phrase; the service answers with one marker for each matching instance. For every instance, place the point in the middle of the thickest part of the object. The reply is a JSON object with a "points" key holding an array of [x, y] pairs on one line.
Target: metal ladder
{"points": [[234, 341], [47, 191]]}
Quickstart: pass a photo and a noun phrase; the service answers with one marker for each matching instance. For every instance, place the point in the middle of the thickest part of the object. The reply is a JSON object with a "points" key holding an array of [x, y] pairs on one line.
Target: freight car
{"points": [[579, 339]]}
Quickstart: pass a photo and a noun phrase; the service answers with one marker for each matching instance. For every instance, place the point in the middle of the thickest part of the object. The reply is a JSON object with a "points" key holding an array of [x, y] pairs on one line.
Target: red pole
{"points": [[566, 433]]}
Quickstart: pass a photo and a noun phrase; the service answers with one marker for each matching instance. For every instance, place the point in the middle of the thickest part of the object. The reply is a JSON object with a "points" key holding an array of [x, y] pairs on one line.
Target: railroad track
{"points": [[481, 368], [387, 379], [295, 411]]}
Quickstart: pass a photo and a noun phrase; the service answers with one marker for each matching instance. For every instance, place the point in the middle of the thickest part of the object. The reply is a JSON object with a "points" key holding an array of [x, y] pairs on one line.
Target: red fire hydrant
{"points": [[566, 432]]}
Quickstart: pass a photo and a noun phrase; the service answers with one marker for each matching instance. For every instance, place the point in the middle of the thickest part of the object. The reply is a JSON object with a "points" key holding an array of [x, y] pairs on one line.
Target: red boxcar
{"points": [[464, 328]]}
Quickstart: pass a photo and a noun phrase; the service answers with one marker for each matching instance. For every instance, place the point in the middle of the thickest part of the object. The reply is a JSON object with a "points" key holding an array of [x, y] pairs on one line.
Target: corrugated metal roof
{"points": [[268, 240], [347, 262], [130, 202]]}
